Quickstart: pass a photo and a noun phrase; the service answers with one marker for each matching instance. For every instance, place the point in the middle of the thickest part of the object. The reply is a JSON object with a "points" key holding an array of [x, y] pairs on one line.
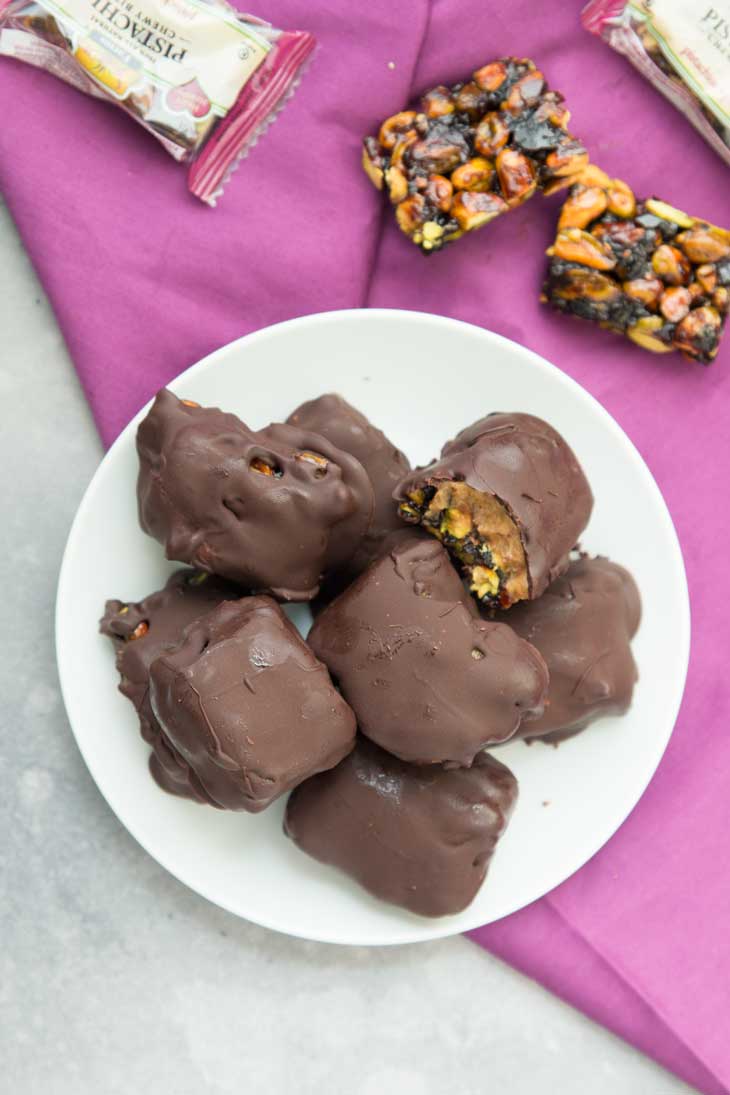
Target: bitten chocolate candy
{"points": [[344, 426], [143, 630], [427, 680], [414, 836], [509, 500], [583, 625], [243, 700], [272, 510]]}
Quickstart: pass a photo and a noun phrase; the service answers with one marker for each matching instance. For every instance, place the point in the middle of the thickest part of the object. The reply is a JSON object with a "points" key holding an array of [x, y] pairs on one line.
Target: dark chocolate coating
{"points": [[582, 625], [187, 595], [427, 679], [344, 426], [199, 495], [414, 836], [527, 466], [248, 707]]}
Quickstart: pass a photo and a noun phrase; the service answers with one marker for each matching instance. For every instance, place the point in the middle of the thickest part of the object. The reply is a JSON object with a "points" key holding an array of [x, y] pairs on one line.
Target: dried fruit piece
{"points": [[403, 145], [667, 212], [439, 153], [707, 277], [573, 245], [476, 174], [491, 76], [491, 135], [471, 209], [394, 127], [262, 466], [517, 176], [621, 200], [470, 100], [437, 102], [698, 333], [397, 184], [721, 300], [592, 175], [525, 93], [567, 160], [670, 265], [552, 109], [647, 290], [439, 192], [704, 243], [321, 464], [675, 303], [578, 283], [411, 213], [585, 204], [373, 171], [643, 334]]}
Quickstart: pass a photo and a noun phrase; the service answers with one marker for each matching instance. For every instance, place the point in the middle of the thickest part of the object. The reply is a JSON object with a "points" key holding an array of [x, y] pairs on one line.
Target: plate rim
{"points": [[437, 928]]}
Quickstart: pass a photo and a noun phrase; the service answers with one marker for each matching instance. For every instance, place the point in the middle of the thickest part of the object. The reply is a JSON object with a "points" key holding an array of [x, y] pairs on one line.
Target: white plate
{"points": [[418, 377]]}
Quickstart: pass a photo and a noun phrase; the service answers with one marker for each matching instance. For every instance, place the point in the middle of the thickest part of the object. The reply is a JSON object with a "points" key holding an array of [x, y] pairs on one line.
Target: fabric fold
{"points": [[564, 961]]}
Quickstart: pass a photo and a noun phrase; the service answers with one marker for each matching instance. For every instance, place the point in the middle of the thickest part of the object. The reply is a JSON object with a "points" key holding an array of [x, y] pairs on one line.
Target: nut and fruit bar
{"points": [[473, 151], [642, 268]]}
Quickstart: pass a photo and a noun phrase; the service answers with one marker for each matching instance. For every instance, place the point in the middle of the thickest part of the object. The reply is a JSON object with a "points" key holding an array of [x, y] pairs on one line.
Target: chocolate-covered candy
{"points": [[509, 500], [583, 625], [143, 630], [344, 426], [243, 700], [427, 680], [420, 837], [271, 509]]}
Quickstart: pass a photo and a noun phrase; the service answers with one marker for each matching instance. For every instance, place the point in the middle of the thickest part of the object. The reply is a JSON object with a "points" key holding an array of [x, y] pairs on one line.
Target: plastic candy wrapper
{"points": [[204, 79], [683, 49]]}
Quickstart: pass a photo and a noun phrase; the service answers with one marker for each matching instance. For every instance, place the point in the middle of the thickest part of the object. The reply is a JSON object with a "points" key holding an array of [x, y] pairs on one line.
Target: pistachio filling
{"points": [[479, 532]]}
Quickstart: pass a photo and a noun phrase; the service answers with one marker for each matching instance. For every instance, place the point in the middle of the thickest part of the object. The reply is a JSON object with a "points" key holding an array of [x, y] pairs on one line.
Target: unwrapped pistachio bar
{"points": [[642, 268], [472, 151]]}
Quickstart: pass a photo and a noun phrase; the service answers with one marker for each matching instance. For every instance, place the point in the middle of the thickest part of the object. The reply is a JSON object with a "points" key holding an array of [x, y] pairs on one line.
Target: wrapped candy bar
{"points": [[681, 47], [204, 79], [642, 268], [473, 151]]}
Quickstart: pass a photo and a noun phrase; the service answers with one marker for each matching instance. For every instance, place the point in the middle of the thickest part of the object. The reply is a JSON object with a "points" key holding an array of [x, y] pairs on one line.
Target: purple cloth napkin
{"points": [[145, 281]]}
